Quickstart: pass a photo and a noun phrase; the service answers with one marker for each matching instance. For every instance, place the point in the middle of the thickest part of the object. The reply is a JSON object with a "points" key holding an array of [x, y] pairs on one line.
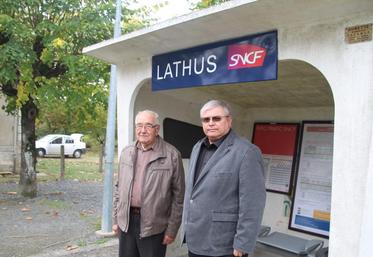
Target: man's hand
{"points": [[115, 229], [167, 240], [238, 253]]}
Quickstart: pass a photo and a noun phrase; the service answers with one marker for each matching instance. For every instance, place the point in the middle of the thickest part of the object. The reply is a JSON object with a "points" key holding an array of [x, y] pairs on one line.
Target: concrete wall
{"points": [[9, 141], [348, 69]]}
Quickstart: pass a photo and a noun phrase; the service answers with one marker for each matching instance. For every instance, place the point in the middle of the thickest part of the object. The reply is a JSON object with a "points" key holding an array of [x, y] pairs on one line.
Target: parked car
{"points": [[51, 145]]}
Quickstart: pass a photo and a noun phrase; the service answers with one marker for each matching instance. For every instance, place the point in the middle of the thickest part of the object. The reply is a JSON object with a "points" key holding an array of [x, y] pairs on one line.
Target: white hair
{"points": [[216, 103], [154, 114]]}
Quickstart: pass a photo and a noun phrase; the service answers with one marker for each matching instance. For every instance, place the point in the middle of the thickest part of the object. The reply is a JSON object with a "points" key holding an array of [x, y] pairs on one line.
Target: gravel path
{"points": [[64, 213], [64, 216]]}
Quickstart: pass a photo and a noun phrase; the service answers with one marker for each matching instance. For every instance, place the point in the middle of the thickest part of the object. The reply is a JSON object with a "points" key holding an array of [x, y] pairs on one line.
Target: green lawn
{"points": [[85, 168]]}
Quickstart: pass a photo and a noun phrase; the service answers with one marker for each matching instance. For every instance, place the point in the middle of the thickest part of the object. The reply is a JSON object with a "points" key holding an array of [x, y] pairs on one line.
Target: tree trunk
{"points": [[27, 178], [101, 157]]}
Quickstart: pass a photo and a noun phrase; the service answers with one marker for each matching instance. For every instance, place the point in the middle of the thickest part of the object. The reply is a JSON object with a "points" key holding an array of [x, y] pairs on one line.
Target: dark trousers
{"points": [[131, 245], [196, 255]]}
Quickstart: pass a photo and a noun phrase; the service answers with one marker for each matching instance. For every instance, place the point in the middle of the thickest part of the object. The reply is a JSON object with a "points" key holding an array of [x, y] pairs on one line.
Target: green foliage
{"points": [[41, 60], [207, 3], [41, 43]]}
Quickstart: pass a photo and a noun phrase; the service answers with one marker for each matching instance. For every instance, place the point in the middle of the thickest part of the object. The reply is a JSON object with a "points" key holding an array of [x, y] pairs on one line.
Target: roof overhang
{"points": [[229, 20]]}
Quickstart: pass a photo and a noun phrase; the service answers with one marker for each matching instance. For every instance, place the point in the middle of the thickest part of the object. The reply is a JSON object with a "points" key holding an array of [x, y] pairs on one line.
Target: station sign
{"points": [[245, 59]]}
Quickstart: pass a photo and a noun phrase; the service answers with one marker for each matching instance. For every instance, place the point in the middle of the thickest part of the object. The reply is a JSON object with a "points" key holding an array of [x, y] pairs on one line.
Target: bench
{"points": [[292, 244]]}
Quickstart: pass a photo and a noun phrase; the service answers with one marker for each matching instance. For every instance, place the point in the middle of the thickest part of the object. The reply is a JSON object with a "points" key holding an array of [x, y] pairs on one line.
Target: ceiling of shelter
{"points": [[299, 85]]}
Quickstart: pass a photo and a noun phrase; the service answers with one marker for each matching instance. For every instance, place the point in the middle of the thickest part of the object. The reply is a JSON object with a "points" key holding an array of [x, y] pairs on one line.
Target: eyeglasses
{"points": [[145, 126], [213, 119]]}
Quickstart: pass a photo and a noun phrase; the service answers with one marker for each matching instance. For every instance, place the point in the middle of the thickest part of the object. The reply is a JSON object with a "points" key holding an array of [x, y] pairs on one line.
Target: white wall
{"points": [[9, 141], [348, 69]]}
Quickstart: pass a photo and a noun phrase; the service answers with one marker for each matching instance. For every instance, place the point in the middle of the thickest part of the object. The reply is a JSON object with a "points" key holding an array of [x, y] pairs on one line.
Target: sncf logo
{"points": [[245, 56]]}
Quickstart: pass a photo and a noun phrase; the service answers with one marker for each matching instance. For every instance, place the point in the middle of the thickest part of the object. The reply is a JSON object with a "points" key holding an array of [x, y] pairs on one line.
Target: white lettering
{"points": [[257, 55], [189, 67], [158, 77], [211, 63], [202, 65], [168, 71], [235, 58], [249, 58], [176, 64]]}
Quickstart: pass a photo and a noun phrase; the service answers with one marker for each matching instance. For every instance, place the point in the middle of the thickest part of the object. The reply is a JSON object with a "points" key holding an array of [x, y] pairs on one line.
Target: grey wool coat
{"points": [[223, 209]]}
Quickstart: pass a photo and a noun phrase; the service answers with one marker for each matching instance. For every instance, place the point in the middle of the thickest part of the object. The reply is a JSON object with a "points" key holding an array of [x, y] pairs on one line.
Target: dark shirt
{"points": [[207, 150]]}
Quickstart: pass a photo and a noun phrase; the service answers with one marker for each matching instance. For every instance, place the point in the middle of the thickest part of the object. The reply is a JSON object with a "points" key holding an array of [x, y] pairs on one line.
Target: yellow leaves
{"points": [[54, 50], [22, 94], [25, 90], [58, 42]]}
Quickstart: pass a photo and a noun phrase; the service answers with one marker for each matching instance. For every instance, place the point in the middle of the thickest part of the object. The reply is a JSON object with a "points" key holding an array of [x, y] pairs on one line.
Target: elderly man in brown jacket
{"points": [[149, 192]]}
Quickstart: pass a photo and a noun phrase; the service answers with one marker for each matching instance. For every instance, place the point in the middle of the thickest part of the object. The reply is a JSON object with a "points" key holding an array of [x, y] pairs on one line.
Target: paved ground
{"points": [[61, 221], [64, 216], [64, 213]]}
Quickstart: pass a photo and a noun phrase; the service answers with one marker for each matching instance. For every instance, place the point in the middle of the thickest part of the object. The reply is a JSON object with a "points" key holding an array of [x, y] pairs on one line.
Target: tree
{"points": [[207, 3], [82, 110], [40, 55]]}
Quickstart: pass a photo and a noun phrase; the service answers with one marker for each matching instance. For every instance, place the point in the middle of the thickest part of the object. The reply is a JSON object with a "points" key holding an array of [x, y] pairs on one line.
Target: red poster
{"points": [[278, 139], [278, 143]]}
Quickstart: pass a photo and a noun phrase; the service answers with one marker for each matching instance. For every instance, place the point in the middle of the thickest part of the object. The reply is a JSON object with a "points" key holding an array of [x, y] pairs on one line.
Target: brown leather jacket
{"points": [[162, 193]]}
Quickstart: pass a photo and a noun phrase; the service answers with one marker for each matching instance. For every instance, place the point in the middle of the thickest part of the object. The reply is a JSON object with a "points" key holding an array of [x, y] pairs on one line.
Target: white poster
{"points": [[312, 198], [277, 170]]}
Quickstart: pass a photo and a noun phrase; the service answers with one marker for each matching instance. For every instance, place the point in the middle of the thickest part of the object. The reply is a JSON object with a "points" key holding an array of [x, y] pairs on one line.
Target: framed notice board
{"points": [[278, 143], [310, 211]]}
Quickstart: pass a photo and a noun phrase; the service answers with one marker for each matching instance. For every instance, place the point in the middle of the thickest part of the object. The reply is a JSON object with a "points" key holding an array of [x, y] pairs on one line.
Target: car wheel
{"points": [[77, 154], [40, 152]]}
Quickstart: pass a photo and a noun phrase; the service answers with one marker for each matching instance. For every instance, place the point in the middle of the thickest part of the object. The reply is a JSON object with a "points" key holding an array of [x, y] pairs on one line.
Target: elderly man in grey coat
{"points": [[225, 193]]}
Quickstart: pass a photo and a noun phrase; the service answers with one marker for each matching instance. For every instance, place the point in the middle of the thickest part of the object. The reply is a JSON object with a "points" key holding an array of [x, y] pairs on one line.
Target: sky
{"points": [[172, 9]]}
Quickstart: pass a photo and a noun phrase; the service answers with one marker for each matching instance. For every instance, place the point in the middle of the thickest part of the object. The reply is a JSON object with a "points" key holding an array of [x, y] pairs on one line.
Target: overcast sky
{"points": [[172, 9]]}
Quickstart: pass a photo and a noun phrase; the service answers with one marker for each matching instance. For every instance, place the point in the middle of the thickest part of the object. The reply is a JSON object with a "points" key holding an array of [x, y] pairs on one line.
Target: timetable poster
{"points": [[278, 143], [312, 199]]}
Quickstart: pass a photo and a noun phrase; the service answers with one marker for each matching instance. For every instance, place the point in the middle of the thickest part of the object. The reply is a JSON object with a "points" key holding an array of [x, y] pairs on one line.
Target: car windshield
{"points": [[47, 137]]}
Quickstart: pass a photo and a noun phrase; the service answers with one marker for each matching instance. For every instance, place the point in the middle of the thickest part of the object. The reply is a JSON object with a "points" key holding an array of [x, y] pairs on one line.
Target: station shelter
{"points": [[312, 117]]}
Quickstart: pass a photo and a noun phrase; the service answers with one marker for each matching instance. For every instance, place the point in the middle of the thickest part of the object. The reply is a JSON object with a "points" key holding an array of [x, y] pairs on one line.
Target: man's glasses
{"points": [[145, 126], [213, 119]]}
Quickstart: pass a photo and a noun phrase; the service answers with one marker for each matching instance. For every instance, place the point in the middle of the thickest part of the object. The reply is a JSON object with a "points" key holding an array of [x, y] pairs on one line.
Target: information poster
{"points": [[278, 143], [312, 197]]}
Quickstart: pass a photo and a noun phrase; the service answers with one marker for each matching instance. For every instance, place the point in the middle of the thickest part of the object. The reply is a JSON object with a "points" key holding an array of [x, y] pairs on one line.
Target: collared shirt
{"points": [[207, 150], [142, 159]]}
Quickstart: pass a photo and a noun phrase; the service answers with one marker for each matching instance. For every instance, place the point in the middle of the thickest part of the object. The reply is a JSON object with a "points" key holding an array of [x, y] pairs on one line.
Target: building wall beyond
{"points": [[9, 141]]}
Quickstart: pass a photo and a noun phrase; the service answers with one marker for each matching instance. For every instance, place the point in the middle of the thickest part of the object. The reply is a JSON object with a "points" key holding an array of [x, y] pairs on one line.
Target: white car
{"points": [[51, 145]]}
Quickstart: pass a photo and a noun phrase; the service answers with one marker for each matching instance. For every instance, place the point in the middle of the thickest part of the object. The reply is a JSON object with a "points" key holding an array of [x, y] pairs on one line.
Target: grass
{"points": [[82, 242], [54, 204], [102, 241], [94, 221], [84, 169]]}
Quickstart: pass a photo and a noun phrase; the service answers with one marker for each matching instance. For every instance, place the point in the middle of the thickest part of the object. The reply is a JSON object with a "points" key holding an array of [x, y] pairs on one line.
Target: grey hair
{"points": [[216, 103], [154, 114]]}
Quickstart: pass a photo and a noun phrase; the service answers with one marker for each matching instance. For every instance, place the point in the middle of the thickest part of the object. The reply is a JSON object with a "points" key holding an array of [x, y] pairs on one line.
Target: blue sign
{"points": [[245, 59]]}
